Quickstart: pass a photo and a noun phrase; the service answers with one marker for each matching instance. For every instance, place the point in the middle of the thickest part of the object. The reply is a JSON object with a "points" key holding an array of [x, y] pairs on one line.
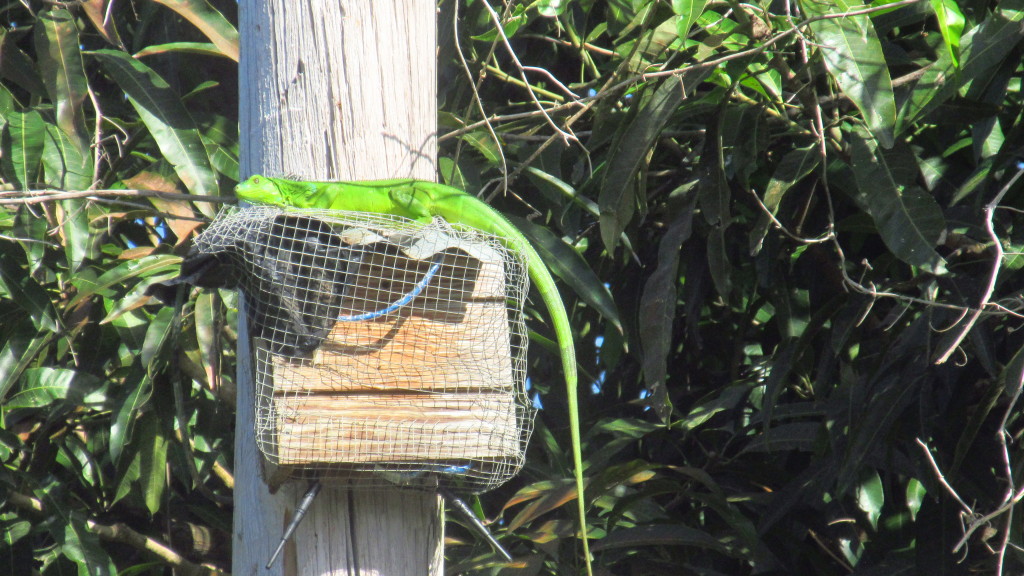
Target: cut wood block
{"points": [[322, 429], [438, 382], [454, 336]]}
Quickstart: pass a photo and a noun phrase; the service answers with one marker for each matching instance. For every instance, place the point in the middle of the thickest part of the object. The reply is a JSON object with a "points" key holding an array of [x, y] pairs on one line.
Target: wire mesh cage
{"points": [[385, 351]]}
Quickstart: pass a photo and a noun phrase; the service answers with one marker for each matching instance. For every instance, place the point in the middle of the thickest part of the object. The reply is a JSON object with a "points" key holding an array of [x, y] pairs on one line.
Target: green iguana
{"points": [[421, 200]]}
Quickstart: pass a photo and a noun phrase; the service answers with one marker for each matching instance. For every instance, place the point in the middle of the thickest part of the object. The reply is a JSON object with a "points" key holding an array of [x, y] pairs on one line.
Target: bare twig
{"points": [[30, 197], [941, 478], [475, 86], [566, 136], [997, 262]]}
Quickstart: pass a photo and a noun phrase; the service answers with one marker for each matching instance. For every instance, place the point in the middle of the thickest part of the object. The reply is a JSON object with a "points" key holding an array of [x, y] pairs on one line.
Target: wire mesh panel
{"points": [[386, 351]]}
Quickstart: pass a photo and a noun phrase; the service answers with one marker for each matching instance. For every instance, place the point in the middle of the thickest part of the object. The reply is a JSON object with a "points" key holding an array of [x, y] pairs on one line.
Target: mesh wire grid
{"points": [[385, 351]]}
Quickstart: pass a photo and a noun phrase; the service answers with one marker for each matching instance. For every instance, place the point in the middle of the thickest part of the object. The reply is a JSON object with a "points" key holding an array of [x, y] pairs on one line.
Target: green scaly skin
{"points": [[421, 200]]}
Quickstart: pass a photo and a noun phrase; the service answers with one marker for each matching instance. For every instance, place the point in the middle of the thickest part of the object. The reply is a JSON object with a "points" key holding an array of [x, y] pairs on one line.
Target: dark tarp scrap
{"points": [[292, 270]]}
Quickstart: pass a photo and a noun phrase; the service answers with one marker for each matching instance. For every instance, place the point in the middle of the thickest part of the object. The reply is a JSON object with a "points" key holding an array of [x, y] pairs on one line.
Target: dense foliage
{"points": [[786, 231]]}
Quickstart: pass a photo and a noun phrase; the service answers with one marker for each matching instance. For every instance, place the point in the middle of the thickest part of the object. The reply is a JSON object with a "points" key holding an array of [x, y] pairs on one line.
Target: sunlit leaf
{"points": [[97, 12], [689, 11], [915, 496], [22, 143], [44, 386], [199, 48], [951, 24], [871, 498], [210, 22], [82, 546], [167, 120], [552, 8], [122, 273], [18, 352], [509, 25], [983, 48], [152, 447], [156, 335], [139, 392], [60, 65], [206, 324], [854, 57]]}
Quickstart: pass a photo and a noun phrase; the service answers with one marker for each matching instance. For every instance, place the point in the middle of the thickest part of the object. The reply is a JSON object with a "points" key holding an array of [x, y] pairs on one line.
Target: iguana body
{"points": [[420, 200]]}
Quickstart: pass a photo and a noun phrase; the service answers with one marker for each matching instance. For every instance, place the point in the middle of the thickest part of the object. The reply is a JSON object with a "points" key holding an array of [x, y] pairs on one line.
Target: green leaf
{"points": [[618, 198], [65, 167], [510, 26], [126, 415], [167, 120], [951, 24], [22, 142], [909, 220], [871, 497], [156, 335], [658, 535], [82, 546], [200, 48], [799, 436], [983, 49], [916, 492], [206, 326], [152, 446], [568, 265], [122, 273], [688, 11], [18, 352], [853, 55], [18, 67], [22, 289], [715, 195], [44, 386], [552, 8], [60, 65], [210, 22]]}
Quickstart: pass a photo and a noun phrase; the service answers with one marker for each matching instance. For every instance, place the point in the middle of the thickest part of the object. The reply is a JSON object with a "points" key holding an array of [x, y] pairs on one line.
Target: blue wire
{"points": [[401, 301]]}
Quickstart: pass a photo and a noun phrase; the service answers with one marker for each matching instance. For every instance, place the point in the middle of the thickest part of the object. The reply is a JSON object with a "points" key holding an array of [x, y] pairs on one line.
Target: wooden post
{"points": [[332, 90]]}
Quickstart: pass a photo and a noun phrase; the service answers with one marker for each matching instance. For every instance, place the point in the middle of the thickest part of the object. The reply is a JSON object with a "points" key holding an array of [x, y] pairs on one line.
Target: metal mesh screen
{"points": [[386, 351]]}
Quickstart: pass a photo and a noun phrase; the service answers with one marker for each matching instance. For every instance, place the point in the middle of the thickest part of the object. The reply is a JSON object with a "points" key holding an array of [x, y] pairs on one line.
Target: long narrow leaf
{"points": [[618, 197], [166, 118], [210, 22], [853, 55], [60, 64], [658, 308], [568, 265], [22, 143], [982, 50], [908, 218], [951, 24]]}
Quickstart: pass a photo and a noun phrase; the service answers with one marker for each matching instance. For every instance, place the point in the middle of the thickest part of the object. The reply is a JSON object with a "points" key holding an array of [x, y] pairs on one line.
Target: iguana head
{"points": [[259, 189]]}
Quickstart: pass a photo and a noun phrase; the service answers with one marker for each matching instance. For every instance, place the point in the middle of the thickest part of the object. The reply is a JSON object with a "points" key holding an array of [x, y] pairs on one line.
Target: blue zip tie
{"points": [[404, 299]]}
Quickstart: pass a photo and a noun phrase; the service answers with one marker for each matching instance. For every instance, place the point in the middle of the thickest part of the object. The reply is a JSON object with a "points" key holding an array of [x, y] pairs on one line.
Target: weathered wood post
{"points": [[338, 89]]}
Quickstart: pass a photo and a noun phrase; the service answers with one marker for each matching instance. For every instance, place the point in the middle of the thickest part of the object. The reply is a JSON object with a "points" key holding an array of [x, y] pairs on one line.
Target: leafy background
{"points": [[786, 233]]}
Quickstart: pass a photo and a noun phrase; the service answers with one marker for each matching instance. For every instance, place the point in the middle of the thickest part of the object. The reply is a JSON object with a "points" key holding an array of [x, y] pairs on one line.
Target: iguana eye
{"points": [[256, 180]]}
